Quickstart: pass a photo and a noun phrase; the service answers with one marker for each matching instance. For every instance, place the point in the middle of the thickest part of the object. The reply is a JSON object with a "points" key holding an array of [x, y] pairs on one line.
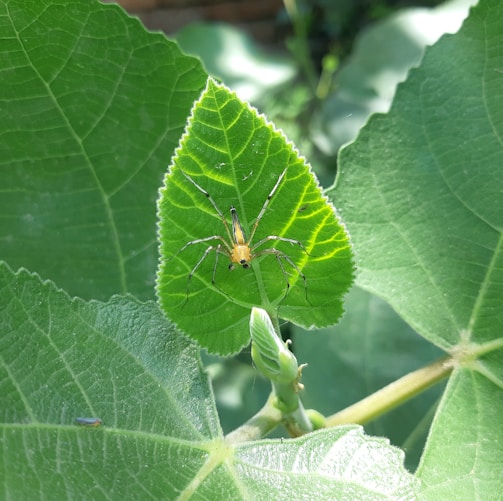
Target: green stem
{"points": [[297, 422], [329, 66], [259, 426], [393, 395]]}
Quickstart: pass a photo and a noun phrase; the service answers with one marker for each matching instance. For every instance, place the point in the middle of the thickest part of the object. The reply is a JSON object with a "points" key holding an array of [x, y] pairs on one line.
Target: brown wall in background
{"points": [[259, 18]]}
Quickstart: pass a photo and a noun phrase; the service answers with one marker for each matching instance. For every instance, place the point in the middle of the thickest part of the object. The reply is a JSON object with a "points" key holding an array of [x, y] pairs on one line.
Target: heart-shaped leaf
{"points": [[298, 259]]}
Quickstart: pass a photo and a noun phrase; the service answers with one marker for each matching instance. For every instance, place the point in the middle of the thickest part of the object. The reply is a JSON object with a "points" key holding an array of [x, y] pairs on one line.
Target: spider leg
{"points": [[266, 203], [219, 249], [213, 203], [280, 239], [279, 256], [191, 274], [198, 241]]}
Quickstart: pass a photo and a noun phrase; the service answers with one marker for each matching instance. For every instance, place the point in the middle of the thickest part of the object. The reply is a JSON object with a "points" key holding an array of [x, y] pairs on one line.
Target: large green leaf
{"points": [[421, 191], [121, 362], [239, 159], [421, 204], [467, 428], [160, 439], [92, 108]]}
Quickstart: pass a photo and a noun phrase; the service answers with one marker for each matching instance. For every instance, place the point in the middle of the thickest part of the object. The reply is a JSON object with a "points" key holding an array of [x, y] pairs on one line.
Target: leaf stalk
{"points": [[393, 395]]}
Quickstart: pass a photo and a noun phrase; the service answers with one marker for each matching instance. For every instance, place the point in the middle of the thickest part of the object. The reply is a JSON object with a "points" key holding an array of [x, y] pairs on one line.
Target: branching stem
{"points": [[393, 395]]}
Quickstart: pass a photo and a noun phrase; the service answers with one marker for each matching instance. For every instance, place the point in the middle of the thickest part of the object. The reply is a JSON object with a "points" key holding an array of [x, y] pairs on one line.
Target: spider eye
{"points": [[231, 267], [244, 264]]}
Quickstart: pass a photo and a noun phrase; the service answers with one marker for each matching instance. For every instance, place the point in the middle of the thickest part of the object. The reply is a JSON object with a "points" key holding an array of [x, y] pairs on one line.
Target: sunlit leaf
{"points": [[233, 154]]}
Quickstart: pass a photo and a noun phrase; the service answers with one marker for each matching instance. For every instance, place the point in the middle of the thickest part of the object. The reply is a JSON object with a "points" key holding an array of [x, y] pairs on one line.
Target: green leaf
{"points": [[123, 362], [468, 428], [92, 108], [233, 154], [340, 463], [421, 192]]}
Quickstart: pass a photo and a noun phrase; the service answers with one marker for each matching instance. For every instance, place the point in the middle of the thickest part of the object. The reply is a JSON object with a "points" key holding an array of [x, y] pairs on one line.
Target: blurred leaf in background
{"points": [[232, 56], [365, 78], [369, 349], [382, 56]]}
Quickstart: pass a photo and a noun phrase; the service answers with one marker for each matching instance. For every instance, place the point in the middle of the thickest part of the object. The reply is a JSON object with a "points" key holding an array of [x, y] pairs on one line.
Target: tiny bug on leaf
{"points": [[88, 421]]}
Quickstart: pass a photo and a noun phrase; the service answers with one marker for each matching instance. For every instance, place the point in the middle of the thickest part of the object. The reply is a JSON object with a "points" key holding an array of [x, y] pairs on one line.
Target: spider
{"points": [[237, 248]]}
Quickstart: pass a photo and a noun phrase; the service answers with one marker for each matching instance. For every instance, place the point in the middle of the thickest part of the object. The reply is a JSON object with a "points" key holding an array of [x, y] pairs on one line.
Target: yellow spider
{"points": [[237, 248]]}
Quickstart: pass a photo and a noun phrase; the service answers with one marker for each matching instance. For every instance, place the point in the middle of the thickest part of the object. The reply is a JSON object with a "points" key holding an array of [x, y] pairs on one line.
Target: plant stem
{"points": [[393, 395], [258, 426]]}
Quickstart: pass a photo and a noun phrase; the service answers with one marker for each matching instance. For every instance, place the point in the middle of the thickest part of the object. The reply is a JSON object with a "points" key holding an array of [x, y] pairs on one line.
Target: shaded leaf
{"points": [[468, 429], [92, 108], [235, 156], [426, 219], [421, 192]]}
